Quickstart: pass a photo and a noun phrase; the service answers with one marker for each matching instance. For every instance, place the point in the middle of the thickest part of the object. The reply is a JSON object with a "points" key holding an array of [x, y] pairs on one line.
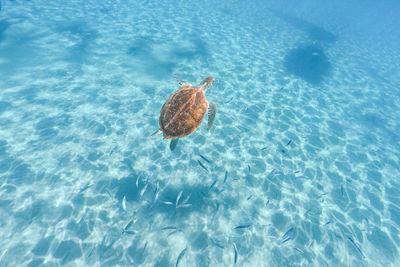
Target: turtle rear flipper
{"points": [[173, 143], [212, 110], [183, 84], [156, 133]]}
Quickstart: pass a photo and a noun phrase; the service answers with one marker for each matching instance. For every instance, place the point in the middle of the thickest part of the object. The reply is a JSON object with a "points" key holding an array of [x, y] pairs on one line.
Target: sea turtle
{"points": [[184, 111]]}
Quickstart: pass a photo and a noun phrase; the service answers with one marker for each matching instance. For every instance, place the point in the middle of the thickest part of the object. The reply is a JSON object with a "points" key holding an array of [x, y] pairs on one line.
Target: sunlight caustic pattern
{"points": [[300, 168]]}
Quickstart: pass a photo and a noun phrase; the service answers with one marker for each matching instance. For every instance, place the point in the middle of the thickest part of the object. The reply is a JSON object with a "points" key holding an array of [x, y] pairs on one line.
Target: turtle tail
{"points": [[156, 133]]}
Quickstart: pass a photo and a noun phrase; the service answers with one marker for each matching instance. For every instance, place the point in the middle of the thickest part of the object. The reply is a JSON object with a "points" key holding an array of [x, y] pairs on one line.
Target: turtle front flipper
{"points": [[212, 110], [173, 143], [183, 84]]}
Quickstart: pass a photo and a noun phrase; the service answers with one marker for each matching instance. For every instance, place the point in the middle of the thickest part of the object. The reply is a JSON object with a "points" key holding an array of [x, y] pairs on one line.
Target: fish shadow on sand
{"points": [[309, 63], [315, 33], [175, 202]]}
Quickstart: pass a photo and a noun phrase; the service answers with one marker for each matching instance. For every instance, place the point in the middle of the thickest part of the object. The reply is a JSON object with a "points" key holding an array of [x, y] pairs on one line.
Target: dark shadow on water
{"points": [[309, 63], [314, 32]]}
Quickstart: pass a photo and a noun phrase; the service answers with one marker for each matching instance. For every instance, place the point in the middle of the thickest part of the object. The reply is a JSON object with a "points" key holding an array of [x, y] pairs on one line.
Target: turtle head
{"points": [[206, 83]]}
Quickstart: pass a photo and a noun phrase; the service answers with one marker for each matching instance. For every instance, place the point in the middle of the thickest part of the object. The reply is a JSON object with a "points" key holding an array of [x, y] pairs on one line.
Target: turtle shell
{"points": [[183, 112]]}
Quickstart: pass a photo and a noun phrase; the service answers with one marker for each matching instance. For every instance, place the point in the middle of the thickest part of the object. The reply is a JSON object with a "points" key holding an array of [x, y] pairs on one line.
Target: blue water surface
{"points": [[301, 166]]}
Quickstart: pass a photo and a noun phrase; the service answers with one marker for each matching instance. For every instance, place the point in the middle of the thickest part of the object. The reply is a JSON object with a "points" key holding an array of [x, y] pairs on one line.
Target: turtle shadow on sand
{"points": [[309, 63]]}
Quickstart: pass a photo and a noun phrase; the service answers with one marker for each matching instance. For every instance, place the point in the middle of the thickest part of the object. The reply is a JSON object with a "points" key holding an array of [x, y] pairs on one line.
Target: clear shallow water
{"points": [[303, 157]]}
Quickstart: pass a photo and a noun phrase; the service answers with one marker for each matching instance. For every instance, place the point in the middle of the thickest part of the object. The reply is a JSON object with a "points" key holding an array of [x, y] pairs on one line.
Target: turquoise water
{"points": [[301, 166]]}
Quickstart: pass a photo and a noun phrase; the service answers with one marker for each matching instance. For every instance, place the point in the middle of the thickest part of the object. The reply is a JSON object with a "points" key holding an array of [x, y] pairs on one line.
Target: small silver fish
{"points": [[212, 185], [86, 187], [112, 151], [167, 203], [156, 192], [88, 256], [187, 199], [173, 232], [226, 176], [143, 190], [229, 100], [168, 228], [206, 159], [356, 246], [244, 226], [288, 235], [201, 164], [128, 225], [236, 253], [299, 250], [124, 203], [144, 247], [180, 256], [137, 181], [178, 198]]}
